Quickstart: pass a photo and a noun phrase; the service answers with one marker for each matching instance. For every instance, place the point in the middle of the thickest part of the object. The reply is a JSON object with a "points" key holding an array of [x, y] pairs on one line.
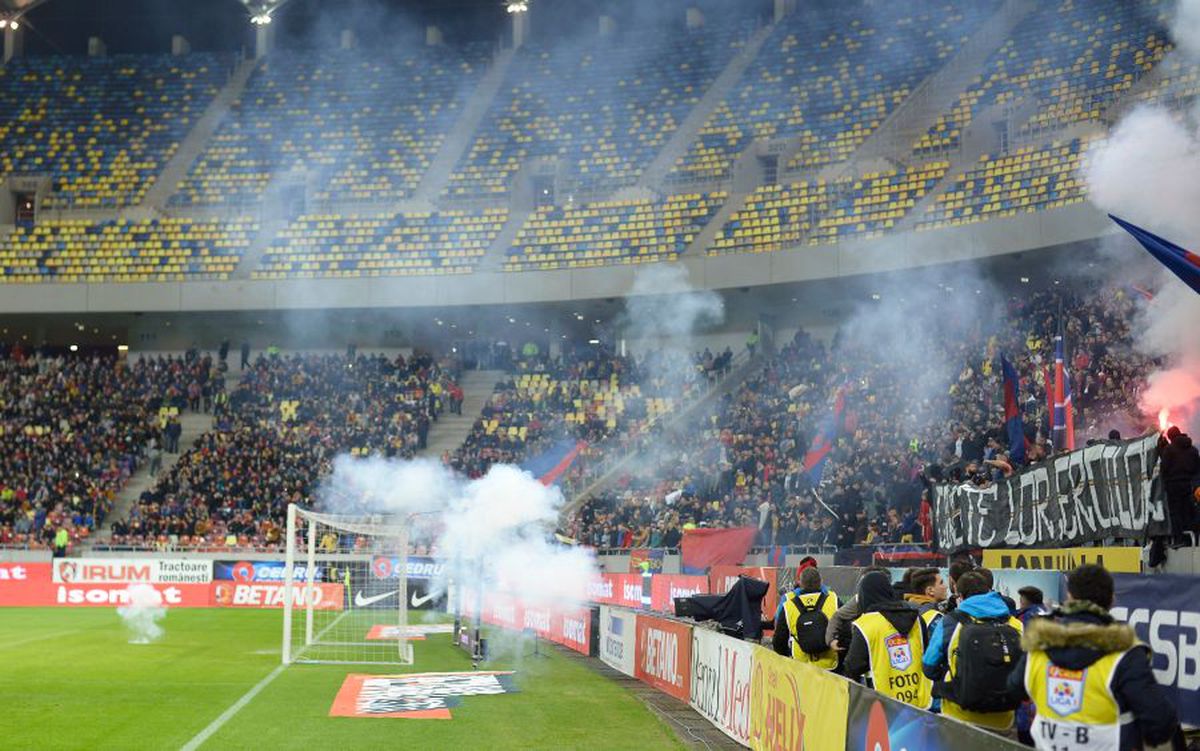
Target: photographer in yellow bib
{"points": [[887, 643], [1090, 677]]}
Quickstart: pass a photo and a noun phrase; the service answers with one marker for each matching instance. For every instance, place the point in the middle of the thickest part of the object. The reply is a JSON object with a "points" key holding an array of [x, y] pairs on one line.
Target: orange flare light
{"points": [[1164, 420]]}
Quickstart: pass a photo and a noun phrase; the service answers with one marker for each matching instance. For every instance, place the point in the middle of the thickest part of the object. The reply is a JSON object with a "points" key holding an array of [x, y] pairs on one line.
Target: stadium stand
{"points": [[1070, 58], [72, 431], [286, 421], [608, 232], [741, 463], [1031, 178], [354, 126], [603, 106], [403, 243], [75, 250], [829, 79], [781, 216], [101, 128]]}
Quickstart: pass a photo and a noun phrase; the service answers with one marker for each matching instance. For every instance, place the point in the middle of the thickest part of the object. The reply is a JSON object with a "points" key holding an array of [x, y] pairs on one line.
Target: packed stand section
{"points": [[73, 430], [777, 217], [604, 106], [1069, 59], [402, 243], [610, 232], [101, 128], [828, 77], [155, 250], [586, 395], [276, 437], [358, 125], [903, 426]]}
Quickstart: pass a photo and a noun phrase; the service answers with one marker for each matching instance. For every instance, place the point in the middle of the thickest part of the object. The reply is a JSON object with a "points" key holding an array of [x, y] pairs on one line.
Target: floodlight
{"points": [[516, 6], [262, 19]]}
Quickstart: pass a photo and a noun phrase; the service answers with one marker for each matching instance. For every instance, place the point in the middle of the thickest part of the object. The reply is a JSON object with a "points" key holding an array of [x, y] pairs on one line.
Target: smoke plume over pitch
{"points": [[1145, 171], [143, 611], [492, 533]]}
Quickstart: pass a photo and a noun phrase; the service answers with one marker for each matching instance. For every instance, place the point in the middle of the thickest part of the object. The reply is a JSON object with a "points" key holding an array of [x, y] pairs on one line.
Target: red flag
{"points": [[1049, 381], [703, 548]]}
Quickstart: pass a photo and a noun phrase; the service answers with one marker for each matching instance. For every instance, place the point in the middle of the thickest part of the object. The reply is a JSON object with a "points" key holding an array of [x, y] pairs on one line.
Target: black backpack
{"points": [[988, 650], [811, 627]]}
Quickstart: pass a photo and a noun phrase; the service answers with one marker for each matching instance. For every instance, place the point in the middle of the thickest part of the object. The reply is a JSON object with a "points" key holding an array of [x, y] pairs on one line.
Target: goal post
{"points": [[345, 589]]}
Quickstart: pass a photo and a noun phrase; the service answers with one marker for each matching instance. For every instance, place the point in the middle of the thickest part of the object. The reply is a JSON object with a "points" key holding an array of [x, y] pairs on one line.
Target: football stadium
{"points": [[600, 374]]}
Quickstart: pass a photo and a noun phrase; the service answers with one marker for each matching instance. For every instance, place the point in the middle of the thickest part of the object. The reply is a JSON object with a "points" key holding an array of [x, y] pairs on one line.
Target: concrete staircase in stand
{"points": [[460, 137], [194, 424], [689, 129], [193, 145], [449, 432]]}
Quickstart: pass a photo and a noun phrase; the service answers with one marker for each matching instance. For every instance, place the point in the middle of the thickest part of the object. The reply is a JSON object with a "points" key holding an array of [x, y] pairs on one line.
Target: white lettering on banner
{"points": [[631, 593], [683, 591], [1181, 647], [721, 673], [662, 651], [119, 571], [505, 614], [538, 620], [618, 639], [13, 573], [600, 590], [574, 630], [271, 595], [103, 596]]}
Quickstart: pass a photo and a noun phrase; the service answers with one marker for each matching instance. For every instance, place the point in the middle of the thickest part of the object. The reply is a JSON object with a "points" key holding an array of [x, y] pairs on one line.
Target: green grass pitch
{"points": [[69, 679]]}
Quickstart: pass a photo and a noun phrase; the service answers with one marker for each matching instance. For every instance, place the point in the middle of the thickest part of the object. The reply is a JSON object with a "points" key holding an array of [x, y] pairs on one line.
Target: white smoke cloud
{"points": [[1185, 27], [143, 611], [1145, 171], [663, 306], [491, 533]]}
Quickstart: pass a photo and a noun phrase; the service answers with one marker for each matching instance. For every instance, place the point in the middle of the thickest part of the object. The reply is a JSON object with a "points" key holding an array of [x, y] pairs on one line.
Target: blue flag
{"points": [[1013, 424], [1182, 263]]}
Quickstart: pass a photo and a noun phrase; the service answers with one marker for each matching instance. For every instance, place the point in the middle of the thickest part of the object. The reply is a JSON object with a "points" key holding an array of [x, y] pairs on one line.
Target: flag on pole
{"points": [[1064, 436], [827, 435], [1182, 263], [1013, 424], [1048, 380]]}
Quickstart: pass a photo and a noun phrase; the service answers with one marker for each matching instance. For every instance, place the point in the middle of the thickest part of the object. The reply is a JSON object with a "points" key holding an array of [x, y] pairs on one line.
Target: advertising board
{"points": [[663, 655], [618, 638], [131, 571], [721, 673]]}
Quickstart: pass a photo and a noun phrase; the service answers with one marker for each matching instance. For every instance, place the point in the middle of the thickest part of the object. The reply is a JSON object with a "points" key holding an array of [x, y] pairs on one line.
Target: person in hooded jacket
{"points": [[940, 661], [888, 642], [1179, 463], [1090, 677]]}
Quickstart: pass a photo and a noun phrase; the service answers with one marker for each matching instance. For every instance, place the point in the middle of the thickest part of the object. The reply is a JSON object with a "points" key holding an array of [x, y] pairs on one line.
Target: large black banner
{"points": [[1102, 491]]}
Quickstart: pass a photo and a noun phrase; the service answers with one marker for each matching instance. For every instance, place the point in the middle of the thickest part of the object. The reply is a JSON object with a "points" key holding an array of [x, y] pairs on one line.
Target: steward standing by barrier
{"points": [[1089, 676], [974, 649], [802, 621], [888, 642]]}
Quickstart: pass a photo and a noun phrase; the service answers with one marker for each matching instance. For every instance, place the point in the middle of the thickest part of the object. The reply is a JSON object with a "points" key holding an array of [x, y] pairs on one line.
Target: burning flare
{"points": [[1164, 420]]}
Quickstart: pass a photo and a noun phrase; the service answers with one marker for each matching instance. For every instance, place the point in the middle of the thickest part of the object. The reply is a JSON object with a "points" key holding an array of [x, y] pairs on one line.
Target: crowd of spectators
{"points": [[586, 393], [277, 435], [904, 426], [73, 428]]}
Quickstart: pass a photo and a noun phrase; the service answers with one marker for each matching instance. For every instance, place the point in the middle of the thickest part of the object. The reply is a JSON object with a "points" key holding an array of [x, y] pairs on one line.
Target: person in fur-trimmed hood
{"points": [[1090, 677]]}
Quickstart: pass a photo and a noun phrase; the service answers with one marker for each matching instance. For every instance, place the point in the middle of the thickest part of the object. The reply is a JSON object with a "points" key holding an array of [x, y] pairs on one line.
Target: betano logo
{"points": [[574, 630], [661, 658]]}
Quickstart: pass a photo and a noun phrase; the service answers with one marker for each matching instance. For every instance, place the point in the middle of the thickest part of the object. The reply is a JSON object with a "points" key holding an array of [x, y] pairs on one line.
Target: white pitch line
{"points": [[228, 714], [52, 635]]}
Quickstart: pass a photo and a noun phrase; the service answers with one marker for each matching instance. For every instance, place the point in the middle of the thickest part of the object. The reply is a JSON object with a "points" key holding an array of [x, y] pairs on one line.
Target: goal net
{"points": [[345, 597]]}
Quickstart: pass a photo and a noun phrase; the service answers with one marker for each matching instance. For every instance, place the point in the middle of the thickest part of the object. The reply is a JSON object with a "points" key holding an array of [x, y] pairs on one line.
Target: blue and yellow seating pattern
{"points": [[101, 128], [1029, 179], [158, 250], [776, 217], [611, 232], [405, 243], [351, 126]]}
